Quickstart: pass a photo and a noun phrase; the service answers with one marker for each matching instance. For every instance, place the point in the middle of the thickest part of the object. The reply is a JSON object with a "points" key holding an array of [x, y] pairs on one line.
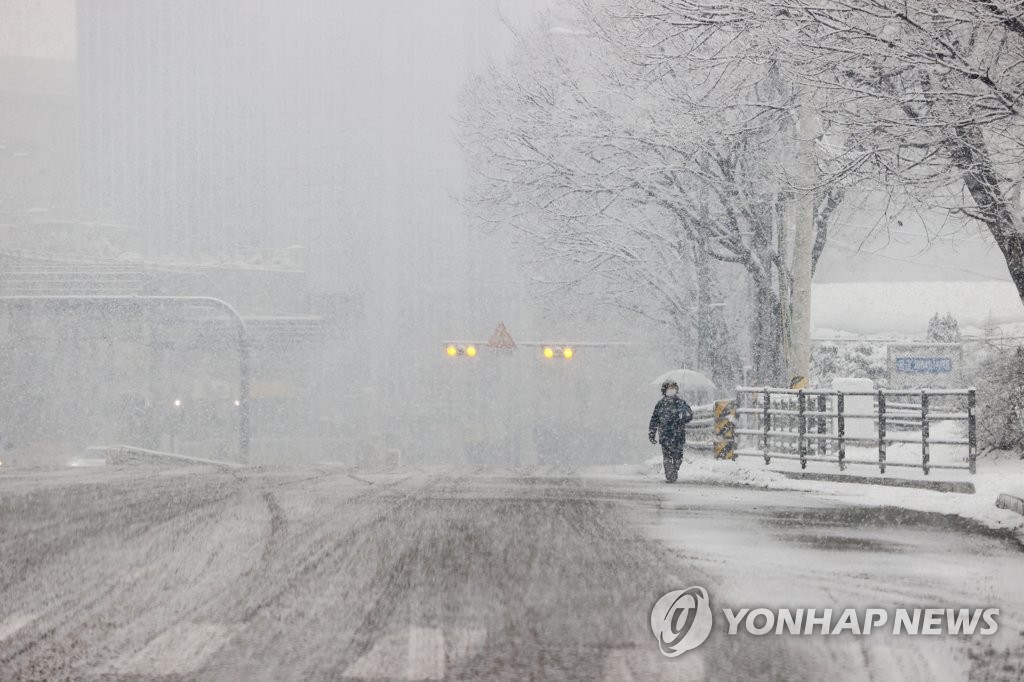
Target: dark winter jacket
{"points": [[670, 417]]}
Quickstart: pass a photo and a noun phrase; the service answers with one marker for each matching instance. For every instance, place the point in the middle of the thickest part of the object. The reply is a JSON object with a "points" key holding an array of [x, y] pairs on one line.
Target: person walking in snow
{"points": [[670, 417]]}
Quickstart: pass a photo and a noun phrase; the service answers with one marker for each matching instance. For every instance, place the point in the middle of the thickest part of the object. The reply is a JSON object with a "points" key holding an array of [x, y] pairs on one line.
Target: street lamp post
{"points": [[244, 435]]}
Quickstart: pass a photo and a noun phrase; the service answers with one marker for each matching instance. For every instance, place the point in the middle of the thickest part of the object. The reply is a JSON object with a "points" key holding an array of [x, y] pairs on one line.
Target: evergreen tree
{"points": [[943, 329]]}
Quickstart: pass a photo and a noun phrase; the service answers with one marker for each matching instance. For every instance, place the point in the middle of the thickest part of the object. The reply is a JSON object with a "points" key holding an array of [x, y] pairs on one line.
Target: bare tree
{"points": [[923, 95], [621, 159]]}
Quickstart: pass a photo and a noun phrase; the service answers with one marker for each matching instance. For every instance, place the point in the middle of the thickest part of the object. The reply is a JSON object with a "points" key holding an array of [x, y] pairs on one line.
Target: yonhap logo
{"points": [[681, 620]]}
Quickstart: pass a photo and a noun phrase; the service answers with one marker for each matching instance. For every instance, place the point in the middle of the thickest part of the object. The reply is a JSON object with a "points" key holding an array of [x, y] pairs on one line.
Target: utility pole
{"points": [[799, 348]]}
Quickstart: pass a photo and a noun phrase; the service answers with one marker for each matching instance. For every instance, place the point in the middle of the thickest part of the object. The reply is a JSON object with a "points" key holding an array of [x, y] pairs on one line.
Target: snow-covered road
{"points": [[326, 573]]}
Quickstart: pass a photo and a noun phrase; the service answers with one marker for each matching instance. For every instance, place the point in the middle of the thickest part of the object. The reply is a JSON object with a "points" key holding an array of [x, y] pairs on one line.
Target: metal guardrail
{"points": [[115, 455], [788, 423]]}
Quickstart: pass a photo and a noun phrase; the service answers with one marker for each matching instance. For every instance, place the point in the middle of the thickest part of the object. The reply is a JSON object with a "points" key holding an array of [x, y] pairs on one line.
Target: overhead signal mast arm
{"points": [[502, 340]]}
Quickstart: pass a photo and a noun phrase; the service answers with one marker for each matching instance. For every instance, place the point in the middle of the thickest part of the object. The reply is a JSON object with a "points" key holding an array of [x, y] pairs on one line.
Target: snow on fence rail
{"points": [[814, 424], [700, 433]]}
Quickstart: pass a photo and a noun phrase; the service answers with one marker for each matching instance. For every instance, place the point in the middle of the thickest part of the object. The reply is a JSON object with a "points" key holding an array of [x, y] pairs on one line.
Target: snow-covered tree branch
{"points": [[597, 149], [917, 95]]}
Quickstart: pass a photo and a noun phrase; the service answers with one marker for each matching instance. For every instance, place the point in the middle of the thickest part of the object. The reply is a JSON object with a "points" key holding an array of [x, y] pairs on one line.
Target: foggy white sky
{"points": [[908, 246], [42, 29]]}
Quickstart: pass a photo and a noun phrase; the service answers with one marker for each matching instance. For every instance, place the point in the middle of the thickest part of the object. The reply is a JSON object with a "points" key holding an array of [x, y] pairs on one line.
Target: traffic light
{"points": [[456, 349], [501, 344], [566, 352]]}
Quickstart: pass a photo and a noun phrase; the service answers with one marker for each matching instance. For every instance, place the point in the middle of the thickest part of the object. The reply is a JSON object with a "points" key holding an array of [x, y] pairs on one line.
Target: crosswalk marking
{"points": [[629, 665], [423, 659], [182, 650], [10, 625], [417, 653], [465, 642]]}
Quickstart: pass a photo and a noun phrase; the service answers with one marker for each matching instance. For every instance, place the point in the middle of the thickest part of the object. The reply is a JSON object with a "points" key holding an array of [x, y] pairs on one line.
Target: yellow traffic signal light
{"points": [[566, 352], [454, 350]]}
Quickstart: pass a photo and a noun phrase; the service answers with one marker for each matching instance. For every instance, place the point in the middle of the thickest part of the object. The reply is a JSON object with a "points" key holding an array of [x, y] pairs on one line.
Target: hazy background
{"points": [[299, 159]]}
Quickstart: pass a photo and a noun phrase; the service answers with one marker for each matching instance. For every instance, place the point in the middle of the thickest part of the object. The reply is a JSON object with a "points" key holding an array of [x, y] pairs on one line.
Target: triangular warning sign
{"points": [[501, 338]]}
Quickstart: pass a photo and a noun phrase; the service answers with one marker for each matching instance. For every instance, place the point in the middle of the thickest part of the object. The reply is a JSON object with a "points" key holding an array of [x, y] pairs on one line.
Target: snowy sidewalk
{"points": [[1000, 474]]}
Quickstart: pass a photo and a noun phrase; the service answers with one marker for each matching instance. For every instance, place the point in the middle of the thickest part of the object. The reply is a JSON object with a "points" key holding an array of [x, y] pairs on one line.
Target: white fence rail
{"points": [[819, 424]]}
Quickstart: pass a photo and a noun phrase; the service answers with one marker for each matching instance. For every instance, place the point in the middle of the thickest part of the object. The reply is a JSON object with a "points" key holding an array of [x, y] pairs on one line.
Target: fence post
{"points": [[739, 420], [972, 432], [841, 429], [881, 431], [822, 426], [766, 422], [801, 427], [924, 431]]}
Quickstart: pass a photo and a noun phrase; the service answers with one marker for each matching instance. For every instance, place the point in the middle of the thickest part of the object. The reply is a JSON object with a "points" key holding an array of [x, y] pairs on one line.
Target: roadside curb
{"points": [[940, 486], [1010, 502], [116, 455]]}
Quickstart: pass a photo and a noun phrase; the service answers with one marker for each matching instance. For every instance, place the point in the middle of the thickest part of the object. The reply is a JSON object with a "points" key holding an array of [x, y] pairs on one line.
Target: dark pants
{"points": [[673, 456]]}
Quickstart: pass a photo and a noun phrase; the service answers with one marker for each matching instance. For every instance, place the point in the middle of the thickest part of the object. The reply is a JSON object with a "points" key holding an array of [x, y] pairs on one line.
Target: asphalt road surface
{"points": [[200, 573]]}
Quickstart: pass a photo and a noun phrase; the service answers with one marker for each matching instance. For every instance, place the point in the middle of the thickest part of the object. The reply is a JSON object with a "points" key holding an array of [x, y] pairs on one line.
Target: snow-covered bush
{"points": [[1000, 382], [863, 360]]}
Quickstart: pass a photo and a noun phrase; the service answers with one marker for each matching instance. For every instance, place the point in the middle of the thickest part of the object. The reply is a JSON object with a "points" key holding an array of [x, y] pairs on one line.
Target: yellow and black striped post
{"points": [[725, 429]]}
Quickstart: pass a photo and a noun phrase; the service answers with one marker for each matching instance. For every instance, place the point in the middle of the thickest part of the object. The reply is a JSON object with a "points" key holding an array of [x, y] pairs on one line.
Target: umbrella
{"points": [[688, 380]]}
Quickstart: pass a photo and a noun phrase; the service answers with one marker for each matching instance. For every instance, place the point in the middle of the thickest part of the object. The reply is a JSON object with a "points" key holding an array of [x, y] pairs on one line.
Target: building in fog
{"points": [[226, 130], [173, 123], [237, 126], [38, 150], [298, 160], [238, 129]]}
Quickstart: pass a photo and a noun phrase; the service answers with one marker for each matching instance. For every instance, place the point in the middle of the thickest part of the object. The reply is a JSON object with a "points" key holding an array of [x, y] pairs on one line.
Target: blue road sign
{"points": [[933, 365]]}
